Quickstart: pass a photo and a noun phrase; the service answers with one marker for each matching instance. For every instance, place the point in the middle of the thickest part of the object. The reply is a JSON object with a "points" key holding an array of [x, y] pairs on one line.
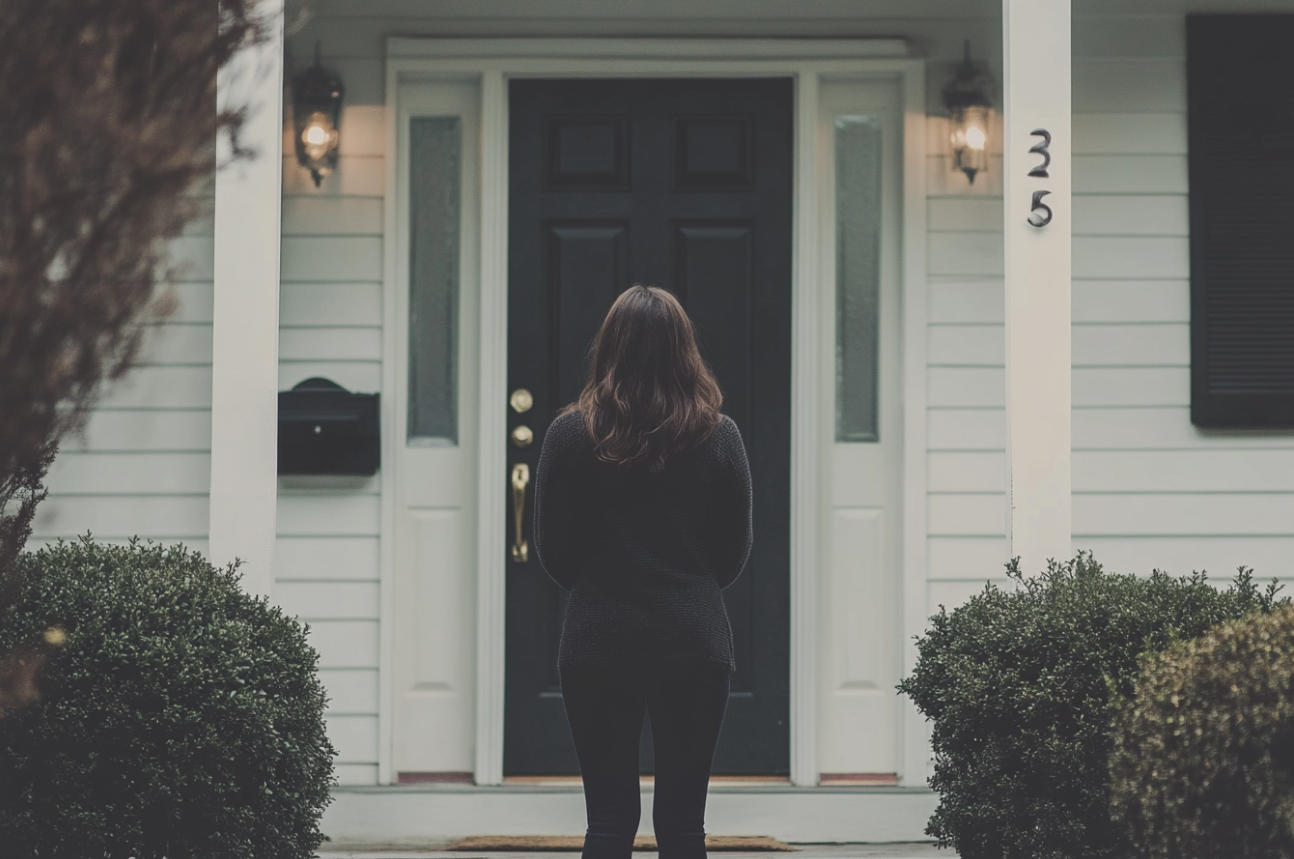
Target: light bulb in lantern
{"points": [[970, 140], [316, 109]]}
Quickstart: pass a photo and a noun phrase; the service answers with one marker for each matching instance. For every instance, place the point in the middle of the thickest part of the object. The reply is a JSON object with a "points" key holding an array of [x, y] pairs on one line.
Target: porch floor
{"points": [[803, 851]]}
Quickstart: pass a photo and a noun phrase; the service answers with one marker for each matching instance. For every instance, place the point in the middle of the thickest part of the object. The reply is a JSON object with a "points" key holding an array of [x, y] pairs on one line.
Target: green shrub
{"points": [[1021, 686], [185, 717], [1203, 756]]}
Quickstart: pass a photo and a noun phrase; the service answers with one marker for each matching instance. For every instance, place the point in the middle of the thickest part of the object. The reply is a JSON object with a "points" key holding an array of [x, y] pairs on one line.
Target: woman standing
{"points": [[643, 512]]}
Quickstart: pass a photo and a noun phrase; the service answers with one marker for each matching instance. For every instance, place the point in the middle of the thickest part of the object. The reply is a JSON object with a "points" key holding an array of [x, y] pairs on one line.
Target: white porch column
{"points": [[1036, 46], [245, 342]]}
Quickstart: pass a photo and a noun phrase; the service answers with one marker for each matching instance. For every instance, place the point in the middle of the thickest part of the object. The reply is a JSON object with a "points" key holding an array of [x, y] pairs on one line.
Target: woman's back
{"points": [[644, 553]]}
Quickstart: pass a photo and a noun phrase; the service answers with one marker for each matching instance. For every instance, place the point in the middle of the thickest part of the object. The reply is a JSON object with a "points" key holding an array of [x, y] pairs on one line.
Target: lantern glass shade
{"points": [[316, 111], [970, 130]]}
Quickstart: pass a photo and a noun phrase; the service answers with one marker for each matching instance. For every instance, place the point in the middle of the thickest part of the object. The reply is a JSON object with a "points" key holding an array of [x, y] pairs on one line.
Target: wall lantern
{"points": [[316, 114], [970, 110]]}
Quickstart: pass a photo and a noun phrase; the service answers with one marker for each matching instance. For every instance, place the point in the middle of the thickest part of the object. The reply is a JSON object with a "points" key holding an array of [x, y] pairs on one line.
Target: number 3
{"points": [[1040, 148], [1040, 216]]}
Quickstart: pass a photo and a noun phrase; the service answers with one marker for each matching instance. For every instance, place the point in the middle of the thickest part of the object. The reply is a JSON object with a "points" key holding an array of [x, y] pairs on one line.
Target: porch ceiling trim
{"points": [[647, 49]]}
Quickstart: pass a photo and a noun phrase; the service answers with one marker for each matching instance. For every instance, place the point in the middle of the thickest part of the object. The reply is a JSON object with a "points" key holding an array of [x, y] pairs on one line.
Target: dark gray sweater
{"points": [[644, 555]]}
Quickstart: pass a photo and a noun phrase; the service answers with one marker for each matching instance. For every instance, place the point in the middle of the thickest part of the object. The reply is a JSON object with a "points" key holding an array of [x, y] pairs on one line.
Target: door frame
{"points": [[490, 63]]}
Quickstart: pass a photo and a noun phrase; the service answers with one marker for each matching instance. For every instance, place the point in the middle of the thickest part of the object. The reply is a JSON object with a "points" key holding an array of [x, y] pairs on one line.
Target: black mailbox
{"points": [[325, 429]]}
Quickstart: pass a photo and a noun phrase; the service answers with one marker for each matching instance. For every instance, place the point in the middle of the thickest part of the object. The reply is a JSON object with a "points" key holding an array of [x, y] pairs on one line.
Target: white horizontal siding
{"points": [[978, 253], [973, 559], [360, 376], [345, 643], [1183, 514], [1106, 471], [1130, 84], [324, 216], [353, 691], [138, 430], [1144, 133], [343, 513], [1219, 556], [355, 176], [351, 343], [329, 600], [331, 304], [119, 516], [953, 592], [330, 318], [354, 737], [962, 300], [317, 558], [161, 387], [1113, 428], [142, 466], [1130, 174], [135, 473], [320, 259], [1094, 345], [1151, 490], [193, 302], [978, 387]]}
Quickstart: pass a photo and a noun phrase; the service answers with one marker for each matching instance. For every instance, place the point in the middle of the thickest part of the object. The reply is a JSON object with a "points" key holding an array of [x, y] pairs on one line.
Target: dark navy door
{"points": [[684, 184]]}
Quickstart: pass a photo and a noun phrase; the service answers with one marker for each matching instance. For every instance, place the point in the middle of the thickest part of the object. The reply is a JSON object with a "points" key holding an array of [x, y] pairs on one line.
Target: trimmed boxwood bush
{"points": [[1203, 760], [1021, 686], [184, 717]]}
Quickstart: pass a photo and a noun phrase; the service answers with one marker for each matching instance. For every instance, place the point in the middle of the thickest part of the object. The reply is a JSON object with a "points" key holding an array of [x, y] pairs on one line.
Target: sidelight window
{"points": [[435, 150], [858, 277]]}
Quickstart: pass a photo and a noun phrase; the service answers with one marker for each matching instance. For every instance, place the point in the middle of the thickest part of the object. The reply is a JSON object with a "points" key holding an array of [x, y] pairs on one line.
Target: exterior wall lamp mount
{"points": [[316, 115], [970, 110]]}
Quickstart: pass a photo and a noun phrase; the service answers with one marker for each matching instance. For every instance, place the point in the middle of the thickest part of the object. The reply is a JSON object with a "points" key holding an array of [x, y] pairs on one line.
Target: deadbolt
{"points": [[521, 401], [522, 436]]}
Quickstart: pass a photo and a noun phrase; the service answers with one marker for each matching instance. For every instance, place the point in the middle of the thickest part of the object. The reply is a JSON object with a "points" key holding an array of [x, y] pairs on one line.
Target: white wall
{"points": [[143, 465], [1150, 490], [327, 560]]}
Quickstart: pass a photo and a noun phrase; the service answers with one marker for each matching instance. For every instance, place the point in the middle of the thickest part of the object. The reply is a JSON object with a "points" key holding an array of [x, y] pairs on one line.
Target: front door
{"points": [[684, 184]]}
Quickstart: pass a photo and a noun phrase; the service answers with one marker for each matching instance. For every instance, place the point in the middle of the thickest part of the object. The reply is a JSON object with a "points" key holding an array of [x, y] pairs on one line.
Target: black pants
{"points": [[605, 709]]}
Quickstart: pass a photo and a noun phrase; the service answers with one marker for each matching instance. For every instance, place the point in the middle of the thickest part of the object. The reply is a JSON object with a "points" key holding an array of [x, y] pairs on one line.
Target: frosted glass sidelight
{"points": [[858, 277], [435, 161]]}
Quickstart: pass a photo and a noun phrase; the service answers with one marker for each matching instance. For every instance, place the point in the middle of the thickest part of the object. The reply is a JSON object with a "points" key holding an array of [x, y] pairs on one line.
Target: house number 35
{"points": [[1040, 212]]}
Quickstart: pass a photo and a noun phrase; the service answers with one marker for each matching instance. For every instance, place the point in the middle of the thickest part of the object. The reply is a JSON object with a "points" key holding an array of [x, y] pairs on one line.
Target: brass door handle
{"points": [[520, 480]]}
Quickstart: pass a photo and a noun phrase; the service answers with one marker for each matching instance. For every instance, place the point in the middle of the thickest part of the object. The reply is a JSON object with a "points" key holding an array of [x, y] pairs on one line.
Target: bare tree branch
{"points": [[110, 120]]}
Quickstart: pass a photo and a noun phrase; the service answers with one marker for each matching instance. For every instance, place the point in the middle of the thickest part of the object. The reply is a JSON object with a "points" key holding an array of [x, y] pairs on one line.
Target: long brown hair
{"points": [[649, 394]]}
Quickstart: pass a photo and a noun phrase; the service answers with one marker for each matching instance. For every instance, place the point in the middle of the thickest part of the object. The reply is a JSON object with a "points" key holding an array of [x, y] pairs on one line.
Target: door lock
{"points": [[521, 401], [522, 436]]}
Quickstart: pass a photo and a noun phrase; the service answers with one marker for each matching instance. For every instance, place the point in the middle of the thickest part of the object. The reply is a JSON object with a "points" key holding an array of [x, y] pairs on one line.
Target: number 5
{"points": [[1040, 216]]}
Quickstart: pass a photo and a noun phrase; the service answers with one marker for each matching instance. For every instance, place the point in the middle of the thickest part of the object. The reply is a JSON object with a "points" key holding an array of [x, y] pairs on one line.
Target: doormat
{"points": [[646, 843]]}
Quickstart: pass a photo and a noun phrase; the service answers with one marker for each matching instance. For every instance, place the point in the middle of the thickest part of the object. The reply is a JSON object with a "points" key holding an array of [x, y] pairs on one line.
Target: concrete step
{"points": [[434, 815]]}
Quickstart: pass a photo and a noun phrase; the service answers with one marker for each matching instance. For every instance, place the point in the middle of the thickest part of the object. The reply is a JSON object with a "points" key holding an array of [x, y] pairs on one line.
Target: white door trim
{"points": [[806, 420], [492, 62]]}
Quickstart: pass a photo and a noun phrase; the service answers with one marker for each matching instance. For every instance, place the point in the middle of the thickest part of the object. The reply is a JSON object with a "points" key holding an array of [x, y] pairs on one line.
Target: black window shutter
{"points": [[1240, 84]]}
